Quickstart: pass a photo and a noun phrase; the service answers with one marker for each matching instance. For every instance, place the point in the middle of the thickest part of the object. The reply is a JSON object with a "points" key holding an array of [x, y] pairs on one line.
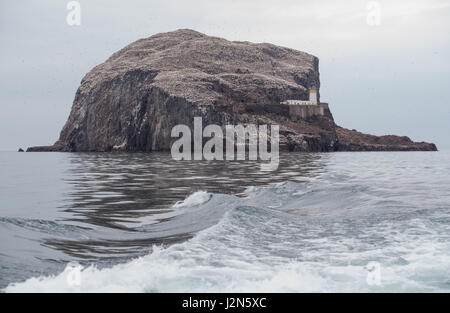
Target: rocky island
{"points": [[132, 101]]}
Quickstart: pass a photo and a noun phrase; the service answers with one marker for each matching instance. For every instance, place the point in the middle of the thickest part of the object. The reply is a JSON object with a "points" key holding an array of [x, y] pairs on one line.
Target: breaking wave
{"points": [[289, 237]]}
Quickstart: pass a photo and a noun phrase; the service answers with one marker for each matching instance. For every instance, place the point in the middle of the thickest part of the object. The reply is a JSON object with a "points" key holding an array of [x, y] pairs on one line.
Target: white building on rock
{"points": [[312, 99], [301, 109]]}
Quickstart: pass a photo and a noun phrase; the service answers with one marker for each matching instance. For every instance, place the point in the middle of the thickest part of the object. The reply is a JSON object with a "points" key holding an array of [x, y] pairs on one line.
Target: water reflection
{"points": [[112, 196], [113, 190]]}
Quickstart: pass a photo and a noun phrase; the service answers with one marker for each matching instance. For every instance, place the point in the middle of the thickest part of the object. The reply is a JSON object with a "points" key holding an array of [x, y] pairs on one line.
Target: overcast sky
{"points": [[391, 78]]}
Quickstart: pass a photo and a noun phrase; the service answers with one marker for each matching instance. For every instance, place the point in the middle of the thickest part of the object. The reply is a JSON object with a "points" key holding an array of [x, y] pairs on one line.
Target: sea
{"points": [[143, 222]]}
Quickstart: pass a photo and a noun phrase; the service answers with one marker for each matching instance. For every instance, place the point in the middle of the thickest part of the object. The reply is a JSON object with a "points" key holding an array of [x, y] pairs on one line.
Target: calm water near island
{"points": [[146, 223]]}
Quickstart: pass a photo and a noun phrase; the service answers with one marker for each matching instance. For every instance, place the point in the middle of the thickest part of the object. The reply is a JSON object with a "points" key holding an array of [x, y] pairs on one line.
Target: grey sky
{"points": [[388, 79]]}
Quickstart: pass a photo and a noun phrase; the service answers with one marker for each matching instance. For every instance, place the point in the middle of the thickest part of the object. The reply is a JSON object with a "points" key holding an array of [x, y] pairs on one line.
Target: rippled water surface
{"points": [[143, 222]]}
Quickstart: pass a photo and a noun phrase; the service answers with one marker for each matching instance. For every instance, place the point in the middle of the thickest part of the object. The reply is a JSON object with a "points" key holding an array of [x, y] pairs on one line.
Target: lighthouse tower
{"points": [[313, 99], [313, 95]]}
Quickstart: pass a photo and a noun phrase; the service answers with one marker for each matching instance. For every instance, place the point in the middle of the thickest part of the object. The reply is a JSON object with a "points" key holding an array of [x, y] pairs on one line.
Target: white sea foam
{"points": [[235, 255], [194, 199], [170, 270]]}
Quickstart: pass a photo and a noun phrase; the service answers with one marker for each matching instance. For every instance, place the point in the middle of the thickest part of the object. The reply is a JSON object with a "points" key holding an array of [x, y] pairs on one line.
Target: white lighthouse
{"points": [[304, 109], [312, 99], [313, 95]]}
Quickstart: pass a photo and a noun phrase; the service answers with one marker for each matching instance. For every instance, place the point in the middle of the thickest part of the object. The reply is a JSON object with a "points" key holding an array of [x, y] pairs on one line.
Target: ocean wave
{"points": [[251, 246], [41, 225], [194, 199], [317, 235]]}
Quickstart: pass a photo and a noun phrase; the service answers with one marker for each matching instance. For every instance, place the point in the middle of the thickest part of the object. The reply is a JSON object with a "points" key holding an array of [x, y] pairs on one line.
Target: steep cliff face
{"points": [[132, 101]]}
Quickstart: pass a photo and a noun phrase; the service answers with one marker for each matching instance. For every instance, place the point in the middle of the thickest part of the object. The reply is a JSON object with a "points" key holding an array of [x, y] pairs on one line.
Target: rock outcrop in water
{"points": [[132, 101]]}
